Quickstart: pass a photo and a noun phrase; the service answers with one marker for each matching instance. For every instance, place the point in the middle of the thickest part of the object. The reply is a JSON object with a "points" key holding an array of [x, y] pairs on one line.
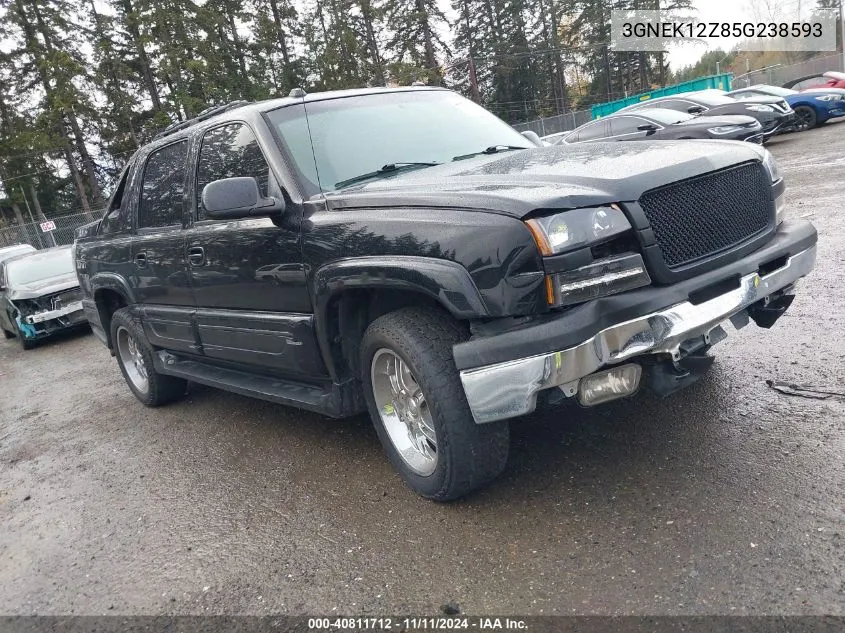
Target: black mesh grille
{"points": [[703, 216]]}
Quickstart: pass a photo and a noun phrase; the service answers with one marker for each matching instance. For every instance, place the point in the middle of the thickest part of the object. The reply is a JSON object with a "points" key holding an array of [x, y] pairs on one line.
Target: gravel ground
{"points": [[724, 499]]}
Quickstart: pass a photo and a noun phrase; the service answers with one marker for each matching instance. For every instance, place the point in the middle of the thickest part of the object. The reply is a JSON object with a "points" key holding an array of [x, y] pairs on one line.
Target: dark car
{"points": [[439, 271], [813, 107], [773, 113], [658, 124], [39, 295]]}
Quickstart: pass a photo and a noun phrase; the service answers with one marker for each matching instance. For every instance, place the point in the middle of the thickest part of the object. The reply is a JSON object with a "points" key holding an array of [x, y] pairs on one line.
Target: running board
{"points": [[336, 401]]}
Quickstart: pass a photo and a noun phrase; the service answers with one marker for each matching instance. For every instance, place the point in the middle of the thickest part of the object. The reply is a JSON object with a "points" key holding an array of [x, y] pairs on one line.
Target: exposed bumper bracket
{"points": [[509, 389]]}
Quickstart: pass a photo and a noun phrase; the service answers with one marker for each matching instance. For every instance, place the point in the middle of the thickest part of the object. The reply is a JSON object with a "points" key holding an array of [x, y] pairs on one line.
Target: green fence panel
{"points": [[720, 82]]}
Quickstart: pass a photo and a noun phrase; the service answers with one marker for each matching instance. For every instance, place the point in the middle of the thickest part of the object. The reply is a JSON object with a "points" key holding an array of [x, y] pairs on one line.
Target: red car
{"points": [[830, 79]]}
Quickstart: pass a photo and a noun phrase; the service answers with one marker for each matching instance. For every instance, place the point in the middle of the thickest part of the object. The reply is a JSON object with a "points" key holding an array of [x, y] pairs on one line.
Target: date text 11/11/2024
{"points": [[420, 623]]}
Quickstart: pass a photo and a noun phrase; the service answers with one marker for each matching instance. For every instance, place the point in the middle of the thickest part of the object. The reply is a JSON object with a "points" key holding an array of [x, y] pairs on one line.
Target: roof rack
{"points": [[202, 116]]}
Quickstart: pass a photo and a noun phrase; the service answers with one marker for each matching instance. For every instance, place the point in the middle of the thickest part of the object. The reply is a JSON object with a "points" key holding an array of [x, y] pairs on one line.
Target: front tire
{"points": [[135, 359], [805, 118], [417, 404], [7, 335]]}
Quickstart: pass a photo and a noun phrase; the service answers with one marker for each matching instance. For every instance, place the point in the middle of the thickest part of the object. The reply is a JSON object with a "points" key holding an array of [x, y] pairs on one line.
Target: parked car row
{"points": [[751, 114]]}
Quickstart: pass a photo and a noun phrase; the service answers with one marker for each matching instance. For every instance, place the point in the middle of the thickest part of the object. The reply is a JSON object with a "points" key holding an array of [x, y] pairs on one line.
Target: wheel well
{"points": [[108, 302], [349, 314]]}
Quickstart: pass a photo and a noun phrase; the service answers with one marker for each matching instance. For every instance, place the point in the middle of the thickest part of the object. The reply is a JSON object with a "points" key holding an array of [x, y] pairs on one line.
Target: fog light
{"points": [[604, 386]]}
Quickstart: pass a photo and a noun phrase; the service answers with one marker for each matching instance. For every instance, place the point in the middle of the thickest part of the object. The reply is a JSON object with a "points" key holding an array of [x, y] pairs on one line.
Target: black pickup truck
{"points": [[407, 253]]}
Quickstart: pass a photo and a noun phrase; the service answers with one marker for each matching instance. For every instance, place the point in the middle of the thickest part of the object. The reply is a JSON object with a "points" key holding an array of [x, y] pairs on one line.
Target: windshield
{"points": [[354, 136], [712, 99], [39, 266], [666, 116], [776, 91]]}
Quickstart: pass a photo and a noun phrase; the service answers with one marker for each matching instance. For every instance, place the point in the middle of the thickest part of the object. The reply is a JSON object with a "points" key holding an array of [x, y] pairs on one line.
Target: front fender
{"points": [[446, 282]]}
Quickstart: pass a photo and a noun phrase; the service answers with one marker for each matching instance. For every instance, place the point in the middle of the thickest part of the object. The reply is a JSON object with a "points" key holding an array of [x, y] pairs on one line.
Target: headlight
{"points": [[830, 98], [771, 165], [724, 129], [569, 230], [760, 108]]}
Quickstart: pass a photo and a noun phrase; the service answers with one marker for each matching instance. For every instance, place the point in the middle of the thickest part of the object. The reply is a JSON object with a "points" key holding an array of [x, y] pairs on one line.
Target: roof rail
{"points": [[202, 116]]}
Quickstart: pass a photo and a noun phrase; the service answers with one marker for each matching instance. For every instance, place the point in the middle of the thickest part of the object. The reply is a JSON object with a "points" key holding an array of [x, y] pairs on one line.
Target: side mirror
{"points": [[533, 137], [233, 198], [695, 109], [647, 127]]}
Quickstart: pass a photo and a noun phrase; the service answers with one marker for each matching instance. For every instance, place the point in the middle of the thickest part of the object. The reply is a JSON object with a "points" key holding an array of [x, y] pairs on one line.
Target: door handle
{"points": [[196, 256], [141, 260]]}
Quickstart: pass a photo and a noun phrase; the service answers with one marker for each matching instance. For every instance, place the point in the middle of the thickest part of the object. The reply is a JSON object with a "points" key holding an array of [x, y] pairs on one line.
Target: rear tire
{"points": [[135, 359], [805, 118], [425, 425], [7, 335]]}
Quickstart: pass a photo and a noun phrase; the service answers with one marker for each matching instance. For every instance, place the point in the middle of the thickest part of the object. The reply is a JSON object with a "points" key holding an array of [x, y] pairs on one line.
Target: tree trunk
{"points": [[69, 115], [77, 180], [51, 240], [280, 33], [143, 58], [428, 37], [21, 227], [239, 52], [372, 43]]}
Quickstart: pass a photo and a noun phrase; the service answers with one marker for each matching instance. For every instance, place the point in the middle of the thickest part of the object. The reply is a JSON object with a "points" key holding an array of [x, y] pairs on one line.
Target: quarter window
{"points": [[625, 125], [593, 131], [230, 151], [164, 184]]}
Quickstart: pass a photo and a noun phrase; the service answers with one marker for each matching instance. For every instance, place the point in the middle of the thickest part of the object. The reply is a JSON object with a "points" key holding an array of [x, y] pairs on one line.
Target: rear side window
{"points": [[593, 131], [231, 151], [163, 186], [622, 125]]}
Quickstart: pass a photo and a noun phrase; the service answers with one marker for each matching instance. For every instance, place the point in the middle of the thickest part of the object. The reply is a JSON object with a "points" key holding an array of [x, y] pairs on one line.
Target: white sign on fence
{"points": [[48, 226]]}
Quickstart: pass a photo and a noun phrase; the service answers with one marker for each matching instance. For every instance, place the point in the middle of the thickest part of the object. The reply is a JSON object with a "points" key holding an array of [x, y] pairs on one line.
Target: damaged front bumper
{"points": [[49, 315], [34, 324], [509, 388]]}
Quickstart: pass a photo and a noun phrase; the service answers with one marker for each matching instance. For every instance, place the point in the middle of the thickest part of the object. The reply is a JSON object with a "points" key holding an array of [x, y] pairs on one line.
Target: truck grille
{"points": [[709, 214]]}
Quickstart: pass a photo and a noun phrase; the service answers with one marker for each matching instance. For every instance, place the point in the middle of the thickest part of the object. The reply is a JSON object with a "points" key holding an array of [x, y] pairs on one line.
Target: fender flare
{"points": [[112, 281], [446, 282]]}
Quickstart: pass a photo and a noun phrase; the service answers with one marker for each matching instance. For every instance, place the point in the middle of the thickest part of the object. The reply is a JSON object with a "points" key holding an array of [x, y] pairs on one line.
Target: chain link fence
{"points": [[32, 233], [780, 74], [556, 124]]}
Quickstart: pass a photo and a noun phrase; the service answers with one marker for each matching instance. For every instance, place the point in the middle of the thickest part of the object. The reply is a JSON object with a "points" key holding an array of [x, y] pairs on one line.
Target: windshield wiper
{"points": [[493, 149], [390, 168]]}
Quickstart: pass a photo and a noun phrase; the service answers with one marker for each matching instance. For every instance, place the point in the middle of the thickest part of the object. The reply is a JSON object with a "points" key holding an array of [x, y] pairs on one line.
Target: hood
{"points": [[721, 119], [43, 287], [553, 177]]}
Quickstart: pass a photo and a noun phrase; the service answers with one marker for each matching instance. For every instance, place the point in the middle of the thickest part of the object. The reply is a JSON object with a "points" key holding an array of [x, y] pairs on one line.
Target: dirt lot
{"points": [[726, 498]]}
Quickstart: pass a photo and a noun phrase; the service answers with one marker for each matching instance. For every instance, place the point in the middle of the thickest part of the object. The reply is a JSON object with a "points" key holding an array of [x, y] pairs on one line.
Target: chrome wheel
{"points": [[132, 359], [404, 411]]}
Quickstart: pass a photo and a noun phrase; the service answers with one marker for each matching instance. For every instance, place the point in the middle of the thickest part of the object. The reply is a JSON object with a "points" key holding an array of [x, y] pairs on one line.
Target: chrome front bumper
{"points": [[509, 389]]}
